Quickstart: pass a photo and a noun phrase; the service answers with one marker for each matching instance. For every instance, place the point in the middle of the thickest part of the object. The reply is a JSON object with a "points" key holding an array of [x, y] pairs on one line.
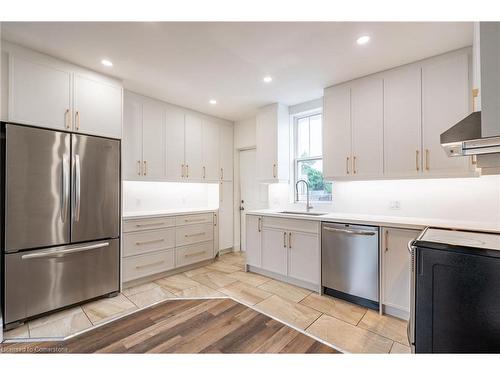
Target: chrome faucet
{"points": [[308, 206]]}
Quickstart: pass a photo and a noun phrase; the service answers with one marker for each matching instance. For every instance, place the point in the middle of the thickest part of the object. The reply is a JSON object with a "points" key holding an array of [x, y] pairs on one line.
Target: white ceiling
{"points": [[188, 63]]}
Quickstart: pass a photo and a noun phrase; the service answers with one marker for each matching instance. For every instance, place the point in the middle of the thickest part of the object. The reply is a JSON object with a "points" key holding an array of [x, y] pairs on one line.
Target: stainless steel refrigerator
{"points": [[61, 215]]}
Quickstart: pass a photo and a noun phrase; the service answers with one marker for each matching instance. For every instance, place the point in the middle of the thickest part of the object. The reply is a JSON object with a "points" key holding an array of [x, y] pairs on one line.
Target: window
{"points": [[308, 161]]}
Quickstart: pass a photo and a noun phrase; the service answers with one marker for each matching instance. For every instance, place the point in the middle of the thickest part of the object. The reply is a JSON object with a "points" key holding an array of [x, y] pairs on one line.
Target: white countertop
{"points": [[170, 212], [390, 221]]}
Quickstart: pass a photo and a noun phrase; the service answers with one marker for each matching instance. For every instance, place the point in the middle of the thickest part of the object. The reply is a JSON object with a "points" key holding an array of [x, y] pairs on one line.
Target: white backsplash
{"points": [[474, 199], [157, 196]]}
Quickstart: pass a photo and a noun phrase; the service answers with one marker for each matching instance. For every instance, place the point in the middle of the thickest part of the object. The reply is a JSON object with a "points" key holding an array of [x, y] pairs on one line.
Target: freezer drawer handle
{"points": [[350, 231], [58, 253]]}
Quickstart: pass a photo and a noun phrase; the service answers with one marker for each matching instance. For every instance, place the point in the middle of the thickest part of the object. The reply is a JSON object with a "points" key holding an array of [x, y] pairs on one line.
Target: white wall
{"points": [[157, 196]]}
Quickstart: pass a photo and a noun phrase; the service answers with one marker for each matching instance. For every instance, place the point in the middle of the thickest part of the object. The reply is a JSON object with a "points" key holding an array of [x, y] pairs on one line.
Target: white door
{"points": [[40, 94], [226, 153], [403, 122], [98, 107], [267, 143], [253, 195], [367, 127], [274, 250], [226, 217], [153, 140], [210, 151], [174, 133], [253, 244], [396, 267], [303, 257], [132, 137], [193, 150], [337, 132], [445, 101]]}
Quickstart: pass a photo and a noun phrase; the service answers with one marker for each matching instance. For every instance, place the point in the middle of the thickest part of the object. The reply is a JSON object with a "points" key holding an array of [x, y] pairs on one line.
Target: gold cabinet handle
{"points": [[195, 234], [274, 171], [259, 224], [145, 172], [77, 120], [474, 160], [195, 254], [139, 171], [284, 240], [150, 241], [215, 220], [427, 166], [222, 173], [354, 165], [347, 165], [182, 170], [221, 198], [475, 94], [67, 119], [386, 240], [417, 161], [290, 240], [204, 171], [187, 171], [150, 265], [148, 225], [193, 220]]}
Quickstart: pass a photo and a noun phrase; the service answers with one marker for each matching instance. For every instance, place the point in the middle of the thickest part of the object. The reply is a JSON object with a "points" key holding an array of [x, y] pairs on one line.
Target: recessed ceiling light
{"points": [[363, 39], [267, 79], [213, 101], [106, 62]]}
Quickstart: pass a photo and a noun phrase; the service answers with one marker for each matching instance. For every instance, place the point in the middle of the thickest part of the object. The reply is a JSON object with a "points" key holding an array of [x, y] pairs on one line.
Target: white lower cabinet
{"points": [[158, 244], [288, 248], [395, 275]]}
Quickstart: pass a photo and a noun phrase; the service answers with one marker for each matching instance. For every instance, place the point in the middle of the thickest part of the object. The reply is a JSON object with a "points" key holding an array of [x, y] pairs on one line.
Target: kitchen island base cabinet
{"points": [[284, 249]]}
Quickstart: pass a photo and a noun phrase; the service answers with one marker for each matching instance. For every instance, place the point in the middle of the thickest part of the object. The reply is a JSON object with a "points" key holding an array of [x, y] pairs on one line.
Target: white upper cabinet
{"points": [[403, 121], [367, 127], [132, 137], [445, 101], [174, 132], [49, 93], [39, 94], [193, 147], [337, 132], [273, 143], [210, 151], [226, 156], [97, 107], [153, 140]]}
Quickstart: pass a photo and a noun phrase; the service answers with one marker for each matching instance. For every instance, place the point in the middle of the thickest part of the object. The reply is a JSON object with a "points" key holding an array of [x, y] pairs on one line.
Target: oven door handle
{"points": [[63, 252], [411, 320], [350, 231]]}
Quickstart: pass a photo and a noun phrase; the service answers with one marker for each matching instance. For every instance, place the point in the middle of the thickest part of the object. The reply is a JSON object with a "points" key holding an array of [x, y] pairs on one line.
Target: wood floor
{"points": [[185, 326]]}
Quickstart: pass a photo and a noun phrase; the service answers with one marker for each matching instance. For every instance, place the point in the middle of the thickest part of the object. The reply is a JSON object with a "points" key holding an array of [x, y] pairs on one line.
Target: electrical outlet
{"points": [[395, 205]]}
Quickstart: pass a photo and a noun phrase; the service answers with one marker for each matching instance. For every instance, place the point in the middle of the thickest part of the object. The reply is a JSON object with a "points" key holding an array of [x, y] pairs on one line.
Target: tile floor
{"points": [[348, 327]]}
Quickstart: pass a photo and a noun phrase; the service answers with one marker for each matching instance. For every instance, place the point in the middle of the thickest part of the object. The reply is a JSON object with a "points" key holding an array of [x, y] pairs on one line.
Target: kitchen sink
{"points": [[303, 213]]}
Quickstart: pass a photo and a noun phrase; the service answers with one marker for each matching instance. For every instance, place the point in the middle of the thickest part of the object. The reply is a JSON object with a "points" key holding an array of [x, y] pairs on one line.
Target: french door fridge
{"points": [[61, 220]]}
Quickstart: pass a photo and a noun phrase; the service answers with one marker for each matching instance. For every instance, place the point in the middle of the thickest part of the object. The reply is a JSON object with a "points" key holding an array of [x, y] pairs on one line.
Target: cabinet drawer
{"points": [[149, 223], [193, 253], [309, 226], [193, 233], [194, 219], [142, 242], [148, 264]]}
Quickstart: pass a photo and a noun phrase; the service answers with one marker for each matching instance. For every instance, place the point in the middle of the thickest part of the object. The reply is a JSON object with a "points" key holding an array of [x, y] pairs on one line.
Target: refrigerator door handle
{"points": [[62, 252], [65, 194], [77, 187]]}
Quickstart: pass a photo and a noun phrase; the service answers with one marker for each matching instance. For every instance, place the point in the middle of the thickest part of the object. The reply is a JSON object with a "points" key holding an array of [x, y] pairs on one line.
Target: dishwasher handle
{"points": [[350, 231]]}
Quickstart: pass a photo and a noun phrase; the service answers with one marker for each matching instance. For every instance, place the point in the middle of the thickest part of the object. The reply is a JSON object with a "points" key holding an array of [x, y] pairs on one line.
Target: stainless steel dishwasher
{"points": [[350, 263]]}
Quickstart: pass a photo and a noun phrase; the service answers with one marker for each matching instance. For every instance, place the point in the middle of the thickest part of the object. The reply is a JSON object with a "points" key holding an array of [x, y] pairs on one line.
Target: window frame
{"points": [[296, 159]]}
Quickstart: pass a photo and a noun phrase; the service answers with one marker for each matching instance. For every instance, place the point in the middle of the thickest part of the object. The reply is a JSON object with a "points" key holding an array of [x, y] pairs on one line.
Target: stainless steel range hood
{"points": [[464, 138]]}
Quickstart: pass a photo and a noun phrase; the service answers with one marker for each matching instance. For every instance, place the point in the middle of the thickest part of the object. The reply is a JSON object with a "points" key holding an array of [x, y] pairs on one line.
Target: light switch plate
{"points": [[395, 205]]}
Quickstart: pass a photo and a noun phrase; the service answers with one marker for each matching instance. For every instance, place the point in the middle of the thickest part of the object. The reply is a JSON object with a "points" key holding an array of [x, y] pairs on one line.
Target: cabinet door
{"points": [[153, 140], [403, 122], [396, 267], [39, 94], [210, 151], [274, 250], [367, 127], [253, 240], [193, 144], [98, 107], [132, 138], [225, 215], [226, 156], [303, 257], [445, 101], [174, 133], [266, 136], [337, 132]]}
